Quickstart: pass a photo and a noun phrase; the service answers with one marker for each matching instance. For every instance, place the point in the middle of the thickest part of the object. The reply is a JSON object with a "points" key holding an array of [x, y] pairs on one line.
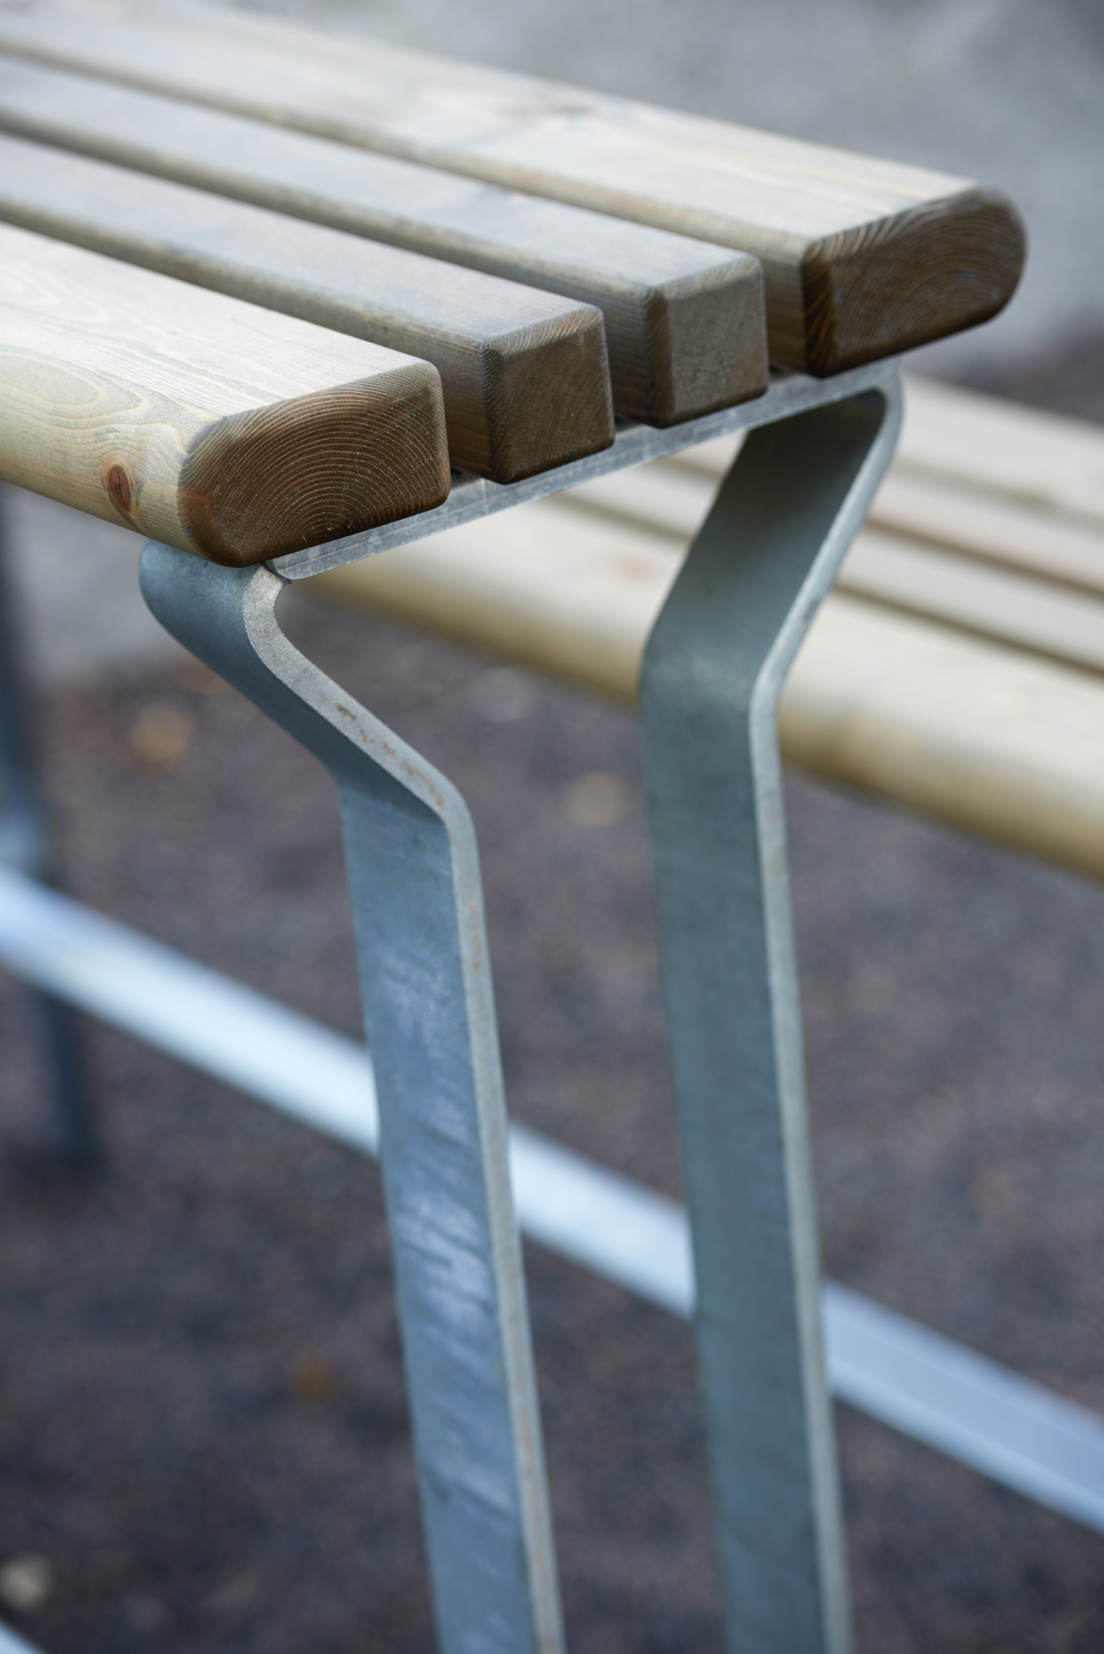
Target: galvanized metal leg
{"points": [[429, 1010], [712, 675], [25, 844]]}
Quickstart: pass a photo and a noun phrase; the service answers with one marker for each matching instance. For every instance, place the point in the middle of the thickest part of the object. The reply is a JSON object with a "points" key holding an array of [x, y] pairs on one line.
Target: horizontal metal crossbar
{"points": [[11, 1644], [915, 1380], [475, 497]]}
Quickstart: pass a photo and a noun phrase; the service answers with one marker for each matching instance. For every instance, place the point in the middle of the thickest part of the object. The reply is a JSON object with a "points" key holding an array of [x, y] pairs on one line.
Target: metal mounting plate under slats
{"points": [[475, 497]]}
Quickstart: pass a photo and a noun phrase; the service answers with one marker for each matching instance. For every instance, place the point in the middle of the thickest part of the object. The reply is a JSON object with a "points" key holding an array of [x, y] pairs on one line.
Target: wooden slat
{"points": [[862, 257], [968, 557], [523, 372], [1040, 587], [548, 586], [1010, 485], [604, 555], [1032, 613], [1035, 459], [926, 677], [967, 447], [213, 425], [969, 731], [684, 320], [972, 733], [1014, 533]]}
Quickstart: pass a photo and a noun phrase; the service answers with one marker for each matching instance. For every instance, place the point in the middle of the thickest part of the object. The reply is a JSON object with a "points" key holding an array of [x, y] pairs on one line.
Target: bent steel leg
{"points": [[26, 844], [429, 1011], [712, 675]]}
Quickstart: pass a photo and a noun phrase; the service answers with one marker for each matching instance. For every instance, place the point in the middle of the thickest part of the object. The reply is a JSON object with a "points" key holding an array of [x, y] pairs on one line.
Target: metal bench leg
{"points": [[712, 675], [429, 1011], [25, 844]]}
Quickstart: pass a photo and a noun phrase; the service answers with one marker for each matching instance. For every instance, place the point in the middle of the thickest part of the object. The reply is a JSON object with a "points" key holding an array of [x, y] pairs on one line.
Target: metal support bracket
{"points": [[429, 1012], [712, 675]]}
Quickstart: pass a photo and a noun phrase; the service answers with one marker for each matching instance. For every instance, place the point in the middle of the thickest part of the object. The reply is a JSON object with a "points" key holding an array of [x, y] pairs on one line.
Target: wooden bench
{"points": [[545, 259]]}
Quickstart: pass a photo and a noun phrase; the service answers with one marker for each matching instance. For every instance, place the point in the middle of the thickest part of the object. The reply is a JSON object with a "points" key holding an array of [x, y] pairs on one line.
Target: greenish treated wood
{"points": [[862, 258], [524, 373], [684, 320], [218, 427]]}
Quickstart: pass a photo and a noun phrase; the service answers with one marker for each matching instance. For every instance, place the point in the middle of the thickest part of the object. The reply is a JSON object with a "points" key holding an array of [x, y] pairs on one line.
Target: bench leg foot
{"points": [[26, 844], [712, 675], [429, 1012]]}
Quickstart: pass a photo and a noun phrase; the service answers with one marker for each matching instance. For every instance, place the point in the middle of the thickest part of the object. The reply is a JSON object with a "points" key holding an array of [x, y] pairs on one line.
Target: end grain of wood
{"points": [[201, 421]]}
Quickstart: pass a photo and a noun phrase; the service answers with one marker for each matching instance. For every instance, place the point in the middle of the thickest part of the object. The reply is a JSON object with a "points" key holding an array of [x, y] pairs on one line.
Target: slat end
{"points": [[547, 395], [710, 337], [316, 468], [908, 280]]}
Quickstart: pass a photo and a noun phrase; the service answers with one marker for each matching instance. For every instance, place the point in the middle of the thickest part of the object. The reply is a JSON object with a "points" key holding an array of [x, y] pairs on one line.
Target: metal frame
{"points": [[429, 1012], [712, 675], [472, 498]]}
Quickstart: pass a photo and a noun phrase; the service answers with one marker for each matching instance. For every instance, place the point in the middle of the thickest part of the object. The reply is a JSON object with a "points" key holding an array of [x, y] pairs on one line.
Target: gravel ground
{"points": [[203, 1436]]}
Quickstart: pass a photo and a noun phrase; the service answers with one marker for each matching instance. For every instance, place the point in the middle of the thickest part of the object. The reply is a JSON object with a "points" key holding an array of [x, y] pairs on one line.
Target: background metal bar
{"points": [[1009, 1428], [429, 1009], [712, 675], [11, 1644], [26, 843]]}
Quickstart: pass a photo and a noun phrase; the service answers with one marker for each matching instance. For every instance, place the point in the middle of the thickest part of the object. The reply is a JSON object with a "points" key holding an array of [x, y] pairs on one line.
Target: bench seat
{"points": [[862, 258], [684, 320], [523, 373]]}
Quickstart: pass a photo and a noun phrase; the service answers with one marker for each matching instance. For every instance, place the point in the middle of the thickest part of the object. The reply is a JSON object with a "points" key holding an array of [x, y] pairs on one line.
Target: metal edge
{"points": [[475, 497]]}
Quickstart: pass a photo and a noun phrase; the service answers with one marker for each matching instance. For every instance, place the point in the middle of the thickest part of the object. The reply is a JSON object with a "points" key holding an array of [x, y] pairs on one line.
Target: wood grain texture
{"points": [[213, 425], [944, 673], [986, 737], [685, 322], [573, 584], [523, 373], [861, 257]]}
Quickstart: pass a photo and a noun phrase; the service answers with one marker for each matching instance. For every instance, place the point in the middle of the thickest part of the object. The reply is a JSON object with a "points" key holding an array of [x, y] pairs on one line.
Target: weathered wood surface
{"points": [[684, 320], [523, 372], [210, 424], [862, 257], [958, 668]]}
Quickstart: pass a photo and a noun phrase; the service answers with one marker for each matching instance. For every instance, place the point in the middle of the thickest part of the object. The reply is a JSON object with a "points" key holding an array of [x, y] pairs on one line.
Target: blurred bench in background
{"points": [[957, 668]]}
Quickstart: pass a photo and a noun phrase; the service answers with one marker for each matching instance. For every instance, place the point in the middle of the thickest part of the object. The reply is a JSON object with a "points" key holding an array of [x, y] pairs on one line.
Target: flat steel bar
{"points": [[429, 1012], [712, 675], [475, 497], [1015, 1431]]}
